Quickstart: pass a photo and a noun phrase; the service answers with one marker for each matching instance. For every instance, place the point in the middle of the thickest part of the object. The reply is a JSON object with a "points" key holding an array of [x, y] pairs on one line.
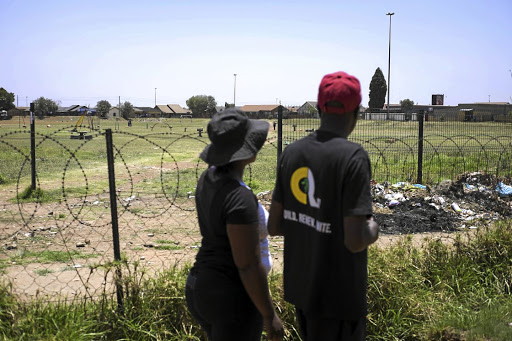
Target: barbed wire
{"points": [[63, 247]]}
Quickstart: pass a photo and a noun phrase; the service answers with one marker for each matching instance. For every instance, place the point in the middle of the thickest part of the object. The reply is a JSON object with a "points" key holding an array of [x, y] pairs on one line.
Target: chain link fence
{"points": [[57, 239], [425, 146]]}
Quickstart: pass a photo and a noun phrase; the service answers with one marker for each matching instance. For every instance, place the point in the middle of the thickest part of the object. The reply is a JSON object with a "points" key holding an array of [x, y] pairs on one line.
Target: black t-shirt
{"points": [[221, 200], [320, 179]]}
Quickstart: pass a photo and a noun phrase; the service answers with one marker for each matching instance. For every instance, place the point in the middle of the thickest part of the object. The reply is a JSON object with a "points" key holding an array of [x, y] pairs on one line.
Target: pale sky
{"points": [[80, 52]]}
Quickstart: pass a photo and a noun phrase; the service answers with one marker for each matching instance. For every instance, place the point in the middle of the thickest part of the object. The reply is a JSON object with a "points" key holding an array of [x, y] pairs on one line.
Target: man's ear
{"points": [[356, 113]]}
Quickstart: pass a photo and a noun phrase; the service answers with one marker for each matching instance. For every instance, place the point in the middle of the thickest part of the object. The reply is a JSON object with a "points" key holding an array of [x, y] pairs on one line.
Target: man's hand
{"points": [[360, 231]]}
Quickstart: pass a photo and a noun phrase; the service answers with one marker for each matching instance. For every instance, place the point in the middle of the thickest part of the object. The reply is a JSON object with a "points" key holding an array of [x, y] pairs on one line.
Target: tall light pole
{"points": [[234, 92], [389, 59], [155, 97]]}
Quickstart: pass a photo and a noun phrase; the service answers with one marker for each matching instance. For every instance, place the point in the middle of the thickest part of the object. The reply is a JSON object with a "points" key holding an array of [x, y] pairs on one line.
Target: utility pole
{"points": [[389, 60], [234, 92], [118, 114], [155, 97]]}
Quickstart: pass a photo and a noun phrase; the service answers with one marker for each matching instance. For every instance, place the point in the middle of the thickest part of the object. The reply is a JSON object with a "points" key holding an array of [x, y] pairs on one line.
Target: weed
{"points": [[33, 195], [454, 291], [43, 272]]}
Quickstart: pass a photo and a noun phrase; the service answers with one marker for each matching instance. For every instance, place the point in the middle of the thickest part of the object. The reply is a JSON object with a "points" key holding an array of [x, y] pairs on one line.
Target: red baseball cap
{"points": [[342, 88]]}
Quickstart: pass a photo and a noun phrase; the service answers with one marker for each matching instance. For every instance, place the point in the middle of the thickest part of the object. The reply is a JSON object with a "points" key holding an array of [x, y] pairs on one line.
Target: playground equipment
{"points": [[78, 132]]}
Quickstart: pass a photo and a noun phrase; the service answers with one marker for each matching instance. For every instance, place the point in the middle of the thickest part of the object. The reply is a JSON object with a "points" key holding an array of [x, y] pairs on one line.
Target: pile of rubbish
{"points": [[474, 199]]}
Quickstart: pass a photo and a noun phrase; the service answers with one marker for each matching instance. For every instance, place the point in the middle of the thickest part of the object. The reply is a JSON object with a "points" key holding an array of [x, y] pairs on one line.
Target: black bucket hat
{"points": [[233, 137]]}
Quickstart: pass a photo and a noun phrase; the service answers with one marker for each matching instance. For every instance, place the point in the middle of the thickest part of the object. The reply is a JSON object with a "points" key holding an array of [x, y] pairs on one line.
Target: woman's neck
{"points": [[237, 171]]}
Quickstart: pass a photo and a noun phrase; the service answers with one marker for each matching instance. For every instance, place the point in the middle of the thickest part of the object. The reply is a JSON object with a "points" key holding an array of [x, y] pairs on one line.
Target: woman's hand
{"points": [[274, 328]]}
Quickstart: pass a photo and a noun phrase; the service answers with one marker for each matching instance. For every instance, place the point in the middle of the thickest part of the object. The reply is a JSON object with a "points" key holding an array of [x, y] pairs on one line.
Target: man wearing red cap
{"points": [[322, 206]]}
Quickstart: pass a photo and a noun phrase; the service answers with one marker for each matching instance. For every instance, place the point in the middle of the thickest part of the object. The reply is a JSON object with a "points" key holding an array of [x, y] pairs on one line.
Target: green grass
{"points": [[43, 272], [33, 195], [443, 288], [164, 244], [47, 256], [450, 149], [459, 290]]}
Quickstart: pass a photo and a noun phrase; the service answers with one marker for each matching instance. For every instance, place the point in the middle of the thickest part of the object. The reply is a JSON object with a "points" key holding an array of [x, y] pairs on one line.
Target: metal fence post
{"points": [[420, 116], [32, 148], [113, 213], [279, 131]]}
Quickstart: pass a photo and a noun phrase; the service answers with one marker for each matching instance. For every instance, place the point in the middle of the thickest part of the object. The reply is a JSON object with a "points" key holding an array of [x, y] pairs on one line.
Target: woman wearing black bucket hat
{"points": [[227, 289]]}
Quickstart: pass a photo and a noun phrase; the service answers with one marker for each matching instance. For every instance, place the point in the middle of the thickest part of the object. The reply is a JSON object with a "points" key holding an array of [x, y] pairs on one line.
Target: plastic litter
{"points": [[420, 186], [456, 208], [504, 190], [470, 187], [434, 205], [394, 196], [393, 203]]}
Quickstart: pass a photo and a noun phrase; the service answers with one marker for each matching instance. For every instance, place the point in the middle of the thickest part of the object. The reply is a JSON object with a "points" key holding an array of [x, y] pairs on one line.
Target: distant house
{"points": [[113, 112], [485, 111], [19, 111], [292, 108], [308, 108], [263, 111], [149, 112]]}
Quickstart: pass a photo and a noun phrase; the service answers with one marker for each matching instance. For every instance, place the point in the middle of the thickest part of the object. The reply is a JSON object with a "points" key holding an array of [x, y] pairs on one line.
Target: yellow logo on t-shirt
{"points": [[302, 185]]}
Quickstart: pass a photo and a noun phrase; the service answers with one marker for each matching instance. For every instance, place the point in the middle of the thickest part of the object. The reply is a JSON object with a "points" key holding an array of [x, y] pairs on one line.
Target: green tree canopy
{"points": [[406, 104], [44, 106], [202, 105], [126, 110], [6, 100], [103, 107], [378, 89]]}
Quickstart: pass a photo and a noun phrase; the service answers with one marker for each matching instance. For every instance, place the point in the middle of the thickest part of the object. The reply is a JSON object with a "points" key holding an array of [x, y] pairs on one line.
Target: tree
{"points": [[44, 106], [103, 107], [6, 100], [378, 89], [202, 105], [406, 105], [126, 110]]}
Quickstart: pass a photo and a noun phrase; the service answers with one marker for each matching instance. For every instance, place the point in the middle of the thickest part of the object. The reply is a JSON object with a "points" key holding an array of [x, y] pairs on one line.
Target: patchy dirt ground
{"points": [[158, 235]]}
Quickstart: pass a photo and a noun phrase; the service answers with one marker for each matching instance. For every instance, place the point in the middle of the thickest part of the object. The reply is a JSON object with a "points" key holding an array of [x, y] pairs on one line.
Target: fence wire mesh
{"points": [[452, 144], [58, 242]]}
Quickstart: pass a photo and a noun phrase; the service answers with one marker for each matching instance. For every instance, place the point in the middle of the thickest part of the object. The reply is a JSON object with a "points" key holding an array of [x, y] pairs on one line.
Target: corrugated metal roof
{"points": [[148, 109], [164, 108], [256, 108], [177, 109]]}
